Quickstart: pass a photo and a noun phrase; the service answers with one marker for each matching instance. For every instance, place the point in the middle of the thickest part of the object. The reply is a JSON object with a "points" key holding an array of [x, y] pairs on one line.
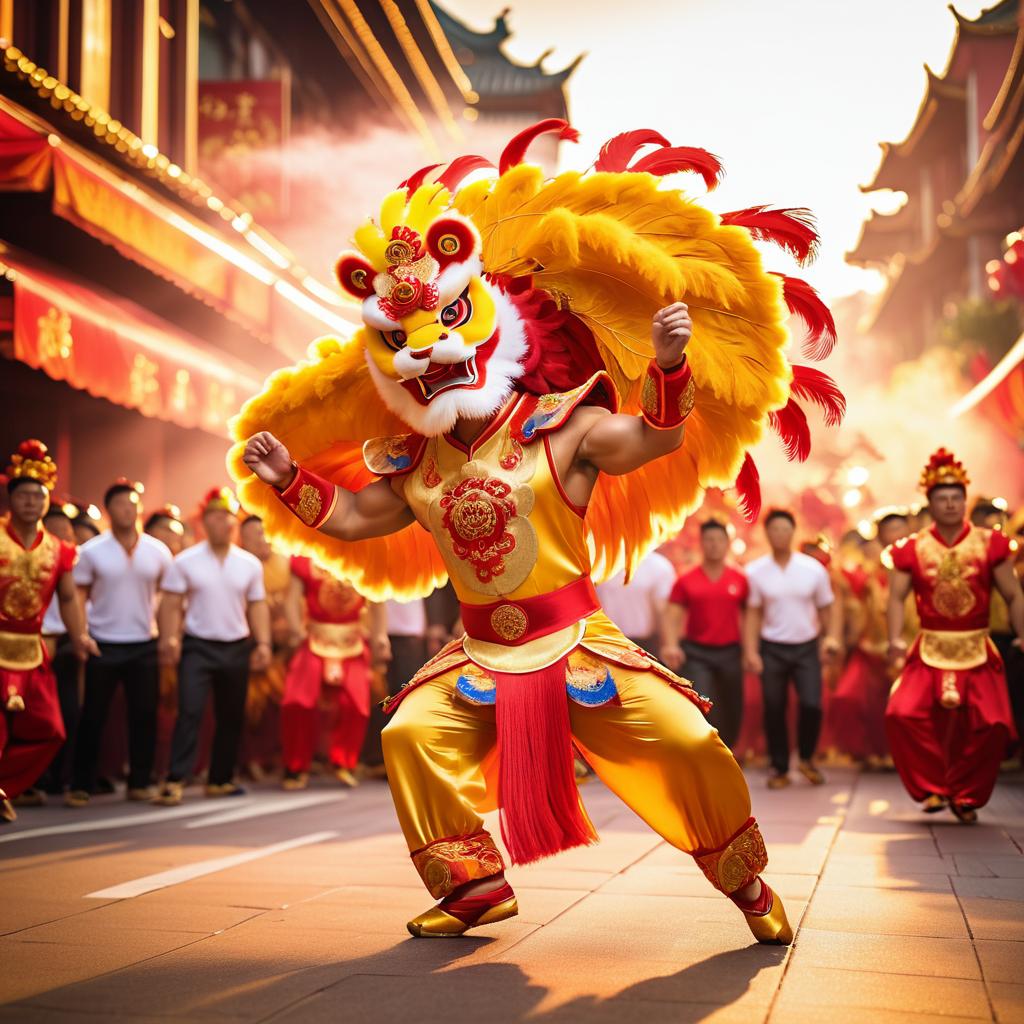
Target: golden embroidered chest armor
{"points": [[27, 582]]}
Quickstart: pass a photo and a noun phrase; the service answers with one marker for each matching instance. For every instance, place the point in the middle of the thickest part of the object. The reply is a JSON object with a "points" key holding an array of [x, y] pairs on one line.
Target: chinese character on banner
{"points": [[242, 133]]}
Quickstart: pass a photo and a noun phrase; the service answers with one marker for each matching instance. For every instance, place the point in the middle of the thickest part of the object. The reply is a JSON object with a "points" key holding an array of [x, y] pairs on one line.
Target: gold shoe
{"points": [[170, 794], [770, 927], [964, 813], [778, 781], [30, 798], [934, 803], [810, 773], [140, 794], [346, 778], [76, 798], [292, 782], [7, 811], [435, 923]]}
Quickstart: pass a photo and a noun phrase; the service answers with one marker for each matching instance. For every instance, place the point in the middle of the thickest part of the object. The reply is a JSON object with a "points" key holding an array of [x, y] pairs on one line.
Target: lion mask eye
{"points": [[456, 313], [394, 339]]}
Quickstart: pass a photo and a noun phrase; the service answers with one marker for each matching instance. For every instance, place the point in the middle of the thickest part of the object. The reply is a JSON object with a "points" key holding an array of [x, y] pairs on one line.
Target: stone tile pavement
{"points": [[902, 918]]}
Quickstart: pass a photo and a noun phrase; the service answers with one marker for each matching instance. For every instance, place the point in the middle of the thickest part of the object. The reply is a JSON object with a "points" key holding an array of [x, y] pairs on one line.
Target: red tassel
{"points": [[462, 166], [820, 388], [682, 158], [748, 483], [515, 151], [416, 179], [792, 229], [790, 423], [541, 813], [803, 301], [618, 151]]}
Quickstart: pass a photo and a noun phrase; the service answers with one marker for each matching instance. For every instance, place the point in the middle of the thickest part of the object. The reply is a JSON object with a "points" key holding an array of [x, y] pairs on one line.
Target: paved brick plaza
{"points": [[902, 918]]}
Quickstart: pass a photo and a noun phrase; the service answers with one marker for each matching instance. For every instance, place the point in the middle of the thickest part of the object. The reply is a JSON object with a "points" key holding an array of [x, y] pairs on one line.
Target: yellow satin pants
{"points": [[655, 750]]}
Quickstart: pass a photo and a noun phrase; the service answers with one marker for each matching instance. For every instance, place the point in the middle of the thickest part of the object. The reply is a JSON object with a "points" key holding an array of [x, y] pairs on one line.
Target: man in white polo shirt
{"points": [[790, 607], [119, 574], [219, 587]]}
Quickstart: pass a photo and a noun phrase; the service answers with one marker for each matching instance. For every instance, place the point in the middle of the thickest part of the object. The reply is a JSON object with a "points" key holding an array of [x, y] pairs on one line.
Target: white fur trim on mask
{"points": [[440, 415], [454, 279], [373, 317]]}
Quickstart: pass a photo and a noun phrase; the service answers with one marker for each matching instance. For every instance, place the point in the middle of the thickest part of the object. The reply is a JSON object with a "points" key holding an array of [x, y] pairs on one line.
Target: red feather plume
{"points": [[803, 301], [790, 229], [416, 179], [748, 484], [819, 388], [457, 171], [515, 152], [618, 151], [682, 158], [790, 423]]}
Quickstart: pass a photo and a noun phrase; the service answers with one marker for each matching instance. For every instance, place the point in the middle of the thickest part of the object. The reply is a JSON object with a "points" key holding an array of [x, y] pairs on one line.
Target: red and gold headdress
{"points": [[32, 462], [943, 470], [222, 498]]}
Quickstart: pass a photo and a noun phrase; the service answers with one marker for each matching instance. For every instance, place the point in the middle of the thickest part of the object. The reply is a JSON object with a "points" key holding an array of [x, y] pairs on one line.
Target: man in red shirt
{"points": [[33, 565], [949, 715], [705, 607]]}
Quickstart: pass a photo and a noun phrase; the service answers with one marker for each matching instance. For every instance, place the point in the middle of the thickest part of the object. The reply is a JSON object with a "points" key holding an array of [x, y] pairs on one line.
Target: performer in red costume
{"points": [[949, 716], [472, 430], [34, 565], [334, 655], [862, 693]]}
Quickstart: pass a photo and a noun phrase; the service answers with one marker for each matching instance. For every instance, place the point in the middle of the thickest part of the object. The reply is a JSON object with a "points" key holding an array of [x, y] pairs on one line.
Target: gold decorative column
{"points": [[95, 84]]}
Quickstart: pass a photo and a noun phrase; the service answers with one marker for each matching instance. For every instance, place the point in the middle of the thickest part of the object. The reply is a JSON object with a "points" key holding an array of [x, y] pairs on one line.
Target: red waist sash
{"points": [[514, 623]]}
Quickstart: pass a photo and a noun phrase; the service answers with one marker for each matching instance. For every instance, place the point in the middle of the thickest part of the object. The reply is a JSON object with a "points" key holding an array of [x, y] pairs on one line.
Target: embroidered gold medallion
{"points": [[310, 504]]}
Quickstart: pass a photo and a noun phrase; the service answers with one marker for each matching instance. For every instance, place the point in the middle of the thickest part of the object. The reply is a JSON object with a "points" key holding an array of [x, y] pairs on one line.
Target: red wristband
{"points": [[667, 397], [310, 497]]}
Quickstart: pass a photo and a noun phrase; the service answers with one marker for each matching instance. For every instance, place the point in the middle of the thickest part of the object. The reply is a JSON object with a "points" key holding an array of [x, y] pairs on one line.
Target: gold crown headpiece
{"points": [[220, 498], [32, 462], [943, 470]]}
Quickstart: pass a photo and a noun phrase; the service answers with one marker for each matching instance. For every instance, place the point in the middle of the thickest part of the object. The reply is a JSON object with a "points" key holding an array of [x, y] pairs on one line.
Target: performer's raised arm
{"points": [[619, 444], [375, 511]]}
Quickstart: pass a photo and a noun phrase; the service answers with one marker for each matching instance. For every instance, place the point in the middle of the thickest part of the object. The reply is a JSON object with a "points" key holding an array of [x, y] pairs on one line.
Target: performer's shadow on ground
{"points": [[414, 980]]}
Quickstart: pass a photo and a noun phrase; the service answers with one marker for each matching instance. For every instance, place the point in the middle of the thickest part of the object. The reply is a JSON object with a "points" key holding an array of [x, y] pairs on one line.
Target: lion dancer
{"points": [[949, 716], [503, 326], [34, 565], [334, 656]]}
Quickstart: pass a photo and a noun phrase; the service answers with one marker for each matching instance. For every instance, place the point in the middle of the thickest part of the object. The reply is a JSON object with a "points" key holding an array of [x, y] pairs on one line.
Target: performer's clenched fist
{"points": [[671, 329], [269, 459]]}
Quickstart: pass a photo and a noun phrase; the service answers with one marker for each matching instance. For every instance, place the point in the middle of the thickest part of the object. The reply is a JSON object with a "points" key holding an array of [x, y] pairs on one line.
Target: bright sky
{"points": [[793, 95]]}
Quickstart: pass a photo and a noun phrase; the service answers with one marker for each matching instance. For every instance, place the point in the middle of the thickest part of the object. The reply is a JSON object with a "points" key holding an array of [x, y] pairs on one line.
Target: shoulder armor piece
{"points": [[392, 456], [544, 413]]}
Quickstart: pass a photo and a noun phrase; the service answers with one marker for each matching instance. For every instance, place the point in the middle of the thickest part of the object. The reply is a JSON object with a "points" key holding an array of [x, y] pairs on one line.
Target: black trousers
{"points": [[1013, 666], [801, 665], [717, 672], [65, 668], [135, 667], [220, 668], [408, 655]]}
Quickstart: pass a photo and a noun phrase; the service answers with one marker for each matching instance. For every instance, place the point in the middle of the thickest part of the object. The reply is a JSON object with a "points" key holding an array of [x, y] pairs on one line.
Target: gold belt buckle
{"points": [[509, 621]]}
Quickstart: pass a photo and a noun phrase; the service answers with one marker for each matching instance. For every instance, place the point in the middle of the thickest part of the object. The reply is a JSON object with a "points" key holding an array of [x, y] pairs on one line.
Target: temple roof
{"points": [[997, 20], [490, 70], [882, 235], [942, 98]]}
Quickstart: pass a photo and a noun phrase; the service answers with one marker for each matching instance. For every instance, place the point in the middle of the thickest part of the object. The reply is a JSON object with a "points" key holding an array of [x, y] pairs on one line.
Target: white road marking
{"points": [[278, 806], [124, 821], [163, 879]]}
